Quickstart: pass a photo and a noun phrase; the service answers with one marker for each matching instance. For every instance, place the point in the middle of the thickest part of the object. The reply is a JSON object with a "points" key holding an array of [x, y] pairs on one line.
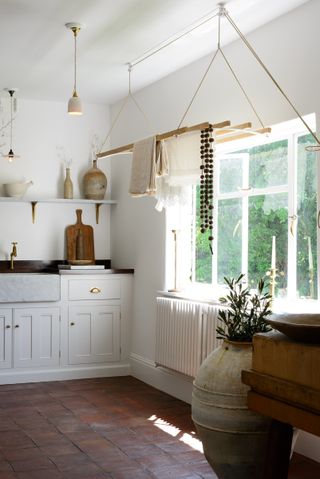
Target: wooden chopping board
{"points": [[80, 244]]}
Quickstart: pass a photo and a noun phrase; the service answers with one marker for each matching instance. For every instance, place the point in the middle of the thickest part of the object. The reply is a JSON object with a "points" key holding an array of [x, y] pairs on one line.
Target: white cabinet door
{"points": [[94, 334], [5, 338], [36, 337]]}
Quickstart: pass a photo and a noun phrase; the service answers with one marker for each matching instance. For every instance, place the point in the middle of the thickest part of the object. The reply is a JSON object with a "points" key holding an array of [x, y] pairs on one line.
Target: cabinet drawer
{"points": [[94, 289]]}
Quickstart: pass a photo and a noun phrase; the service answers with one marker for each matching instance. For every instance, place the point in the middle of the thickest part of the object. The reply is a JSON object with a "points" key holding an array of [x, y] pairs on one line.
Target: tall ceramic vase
{"points": [[94, 183], [68, 186], [234, 438]]}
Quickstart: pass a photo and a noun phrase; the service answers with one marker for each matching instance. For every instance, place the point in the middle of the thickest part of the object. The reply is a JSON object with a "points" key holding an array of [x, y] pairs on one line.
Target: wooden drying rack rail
{"points": [[224, 129]]}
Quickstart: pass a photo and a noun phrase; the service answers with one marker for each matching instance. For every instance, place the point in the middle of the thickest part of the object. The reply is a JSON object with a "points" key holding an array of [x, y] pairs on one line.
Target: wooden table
{"points": [[285, 385]]}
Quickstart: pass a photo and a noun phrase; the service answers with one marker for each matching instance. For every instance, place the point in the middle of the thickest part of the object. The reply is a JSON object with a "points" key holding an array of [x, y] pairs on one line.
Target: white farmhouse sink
{"points": [[29, 287]]}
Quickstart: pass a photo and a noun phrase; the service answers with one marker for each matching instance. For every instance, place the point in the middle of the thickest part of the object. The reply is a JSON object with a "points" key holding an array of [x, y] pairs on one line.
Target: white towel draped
{"points": [[183, 154]]}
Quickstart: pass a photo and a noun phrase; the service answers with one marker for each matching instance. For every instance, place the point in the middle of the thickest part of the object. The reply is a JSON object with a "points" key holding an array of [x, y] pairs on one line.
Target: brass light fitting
{"points": [[75, 104]]}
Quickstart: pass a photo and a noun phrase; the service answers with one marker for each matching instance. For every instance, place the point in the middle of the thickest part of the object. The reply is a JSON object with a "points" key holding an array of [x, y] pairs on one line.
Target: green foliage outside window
{"points": [[267, 217]]}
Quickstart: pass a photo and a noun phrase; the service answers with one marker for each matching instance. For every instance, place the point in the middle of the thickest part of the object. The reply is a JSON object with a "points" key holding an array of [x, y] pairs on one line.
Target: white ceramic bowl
{"points": [[16, 190]]}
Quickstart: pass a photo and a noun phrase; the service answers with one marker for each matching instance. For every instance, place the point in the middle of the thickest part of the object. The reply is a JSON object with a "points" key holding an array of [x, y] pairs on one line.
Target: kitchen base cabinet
{"points": [[5, 338], [84, 335], [94, 334], [36, 337], [29, 337]]}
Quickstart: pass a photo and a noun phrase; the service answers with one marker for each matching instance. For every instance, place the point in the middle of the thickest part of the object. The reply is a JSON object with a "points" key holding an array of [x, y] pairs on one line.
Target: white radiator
{"points": [[185, 335]]}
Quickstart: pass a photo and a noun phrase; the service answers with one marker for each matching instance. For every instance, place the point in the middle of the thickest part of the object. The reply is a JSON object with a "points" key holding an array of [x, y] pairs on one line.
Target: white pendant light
{"points": [[74, 104], [11, 156]]}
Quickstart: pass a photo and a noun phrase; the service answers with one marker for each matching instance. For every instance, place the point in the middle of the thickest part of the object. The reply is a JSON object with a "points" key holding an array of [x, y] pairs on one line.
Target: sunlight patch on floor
{"points": [[174, 431], [192, 442], [165, 426]]}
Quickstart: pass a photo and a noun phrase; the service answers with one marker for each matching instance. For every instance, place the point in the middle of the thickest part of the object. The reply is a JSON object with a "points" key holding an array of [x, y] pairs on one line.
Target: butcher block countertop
{"points": [[51, 267]]}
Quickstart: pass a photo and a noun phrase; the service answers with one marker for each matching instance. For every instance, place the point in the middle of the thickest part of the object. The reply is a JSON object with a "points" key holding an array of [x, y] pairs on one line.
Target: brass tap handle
{"points": [[13, 253]]}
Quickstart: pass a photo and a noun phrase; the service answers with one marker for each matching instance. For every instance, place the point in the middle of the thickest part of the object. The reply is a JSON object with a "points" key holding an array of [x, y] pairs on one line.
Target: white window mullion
{"points": [[193, 234], [245, 216], [245, 235], [216, 176], [318, 222], [292, 217]]}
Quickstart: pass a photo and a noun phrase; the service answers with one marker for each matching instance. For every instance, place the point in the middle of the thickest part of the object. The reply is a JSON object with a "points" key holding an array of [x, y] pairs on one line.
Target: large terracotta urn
{"points": [[234, 438]]}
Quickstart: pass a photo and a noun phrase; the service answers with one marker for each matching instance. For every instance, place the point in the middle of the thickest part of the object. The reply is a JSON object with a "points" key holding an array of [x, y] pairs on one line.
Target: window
{"points": [[264, 187]]}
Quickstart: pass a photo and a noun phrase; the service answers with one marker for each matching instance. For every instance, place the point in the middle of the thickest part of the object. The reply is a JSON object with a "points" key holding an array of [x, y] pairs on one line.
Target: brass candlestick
{"points": [[311, 283], [272, 285]]}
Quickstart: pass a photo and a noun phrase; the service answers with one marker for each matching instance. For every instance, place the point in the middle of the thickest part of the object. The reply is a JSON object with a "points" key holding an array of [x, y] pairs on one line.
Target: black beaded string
{"points": [[206, 182]]}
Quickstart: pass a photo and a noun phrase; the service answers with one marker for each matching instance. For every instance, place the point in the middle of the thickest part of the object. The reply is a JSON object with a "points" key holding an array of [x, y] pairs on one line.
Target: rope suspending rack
{"points": [[224, 130]]}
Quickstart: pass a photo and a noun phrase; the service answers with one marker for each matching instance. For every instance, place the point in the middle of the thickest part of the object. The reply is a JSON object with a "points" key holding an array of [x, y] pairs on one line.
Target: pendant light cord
{"points": [[75, 32], [11, 121]]}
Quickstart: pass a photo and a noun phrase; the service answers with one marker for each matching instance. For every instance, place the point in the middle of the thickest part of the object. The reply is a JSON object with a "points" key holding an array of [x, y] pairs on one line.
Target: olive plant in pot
{"points": [[234, 438]]}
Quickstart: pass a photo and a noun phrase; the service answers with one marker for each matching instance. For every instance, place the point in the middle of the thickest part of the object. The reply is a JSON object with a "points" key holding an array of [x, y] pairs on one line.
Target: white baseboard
{"points": [[171, 382], [14, 376]]}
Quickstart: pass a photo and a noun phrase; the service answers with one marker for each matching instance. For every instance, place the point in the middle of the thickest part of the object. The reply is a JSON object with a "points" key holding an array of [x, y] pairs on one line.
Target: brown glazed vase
{"points": [[94, 183]]}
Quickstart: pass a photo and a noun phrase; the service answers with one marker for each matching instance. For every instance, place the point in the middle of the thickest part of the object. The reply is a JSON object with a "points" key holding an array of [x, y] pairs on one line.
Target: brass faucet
{"points": [[13, 253]]}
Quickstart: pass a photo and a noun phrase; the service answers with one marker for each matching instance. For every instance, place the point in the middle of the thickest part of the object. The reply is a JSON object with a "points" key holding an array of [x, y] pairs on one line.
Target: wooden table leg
{"points": [[278, 451]]}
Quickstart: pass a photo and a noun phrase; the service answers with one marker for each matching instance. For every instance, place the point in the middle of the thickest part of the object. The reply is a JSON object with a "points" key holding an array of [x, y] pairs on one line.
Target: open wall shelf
{"points": [[80, 201]]}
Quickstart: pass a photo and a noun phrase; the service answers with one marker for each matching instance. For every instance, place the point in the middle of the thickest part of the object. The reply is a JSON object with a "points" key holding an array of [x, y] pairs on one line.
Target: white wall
{"points": [[289, 46], [38, 129]]}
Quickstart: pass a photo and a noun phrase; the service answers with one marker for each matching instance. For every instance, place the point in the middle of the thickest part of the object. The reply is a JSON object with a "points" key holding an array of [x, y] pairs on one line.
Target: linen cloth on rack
{"points": [[184, 160], [149, 160]]}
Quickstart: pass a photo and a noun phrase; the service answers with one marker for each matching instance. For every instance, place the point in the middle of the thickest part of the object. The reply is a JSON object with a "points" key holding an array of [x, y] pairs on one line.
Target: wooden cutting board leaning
{"points": [[80, 244]]}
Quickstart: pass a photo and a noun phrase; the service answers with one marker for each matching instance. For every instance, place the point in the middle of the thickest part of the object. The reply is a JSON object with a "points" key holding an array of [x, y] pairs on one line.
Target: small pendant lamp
{"points": [[74, 104], [11, 156]]}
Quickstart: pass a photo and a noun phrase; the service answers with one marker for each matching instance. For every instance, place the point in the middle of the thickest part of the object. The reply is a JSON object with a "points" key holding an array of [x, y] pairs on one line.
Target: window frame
{"points": [[290, 131]]}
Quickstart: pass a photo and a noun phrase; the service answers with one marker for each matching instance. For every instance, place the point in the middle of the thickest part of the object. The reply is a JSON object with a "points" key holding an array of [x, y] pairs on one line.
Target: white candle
{"points": [[310, 254], [273, 253]]}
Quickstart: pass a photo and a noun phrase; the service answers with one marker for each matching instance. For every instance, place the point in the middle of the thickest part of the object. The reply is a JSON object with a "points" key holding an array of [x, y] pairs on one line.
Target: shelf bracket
{"points": [[98, 212], [33, 210]]}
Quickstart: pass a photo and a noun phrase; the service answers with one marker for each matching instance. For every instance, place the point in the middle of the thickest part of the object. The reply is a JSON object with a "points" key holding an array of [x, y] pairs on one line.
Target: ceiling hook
{"points": [[222, 10]]}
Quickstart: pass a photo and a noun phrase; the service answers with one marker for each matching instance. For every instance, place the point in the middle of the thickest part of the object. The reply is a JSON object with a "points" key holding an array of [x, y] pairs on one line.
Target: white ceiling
{"points": [[36, 49]]}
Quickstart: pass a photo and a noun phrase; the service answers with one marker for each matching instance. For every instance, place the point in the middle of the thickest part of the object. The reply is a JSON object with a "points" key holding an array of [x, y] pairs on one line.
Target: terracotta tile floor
{"points": [[117, 428]]}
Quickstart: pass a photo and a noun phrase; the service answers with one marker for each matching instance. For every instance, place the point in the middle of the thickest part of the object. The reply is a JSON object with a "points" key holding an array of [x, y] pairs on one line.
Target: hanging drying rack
{"points": [[224, 130]]}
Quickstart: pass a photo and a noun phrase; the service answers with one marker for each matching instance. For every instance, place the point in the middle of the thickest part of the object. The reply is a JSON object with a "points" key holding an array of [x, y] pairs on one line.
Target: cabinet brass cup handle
{"points": [[95, 290]]}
